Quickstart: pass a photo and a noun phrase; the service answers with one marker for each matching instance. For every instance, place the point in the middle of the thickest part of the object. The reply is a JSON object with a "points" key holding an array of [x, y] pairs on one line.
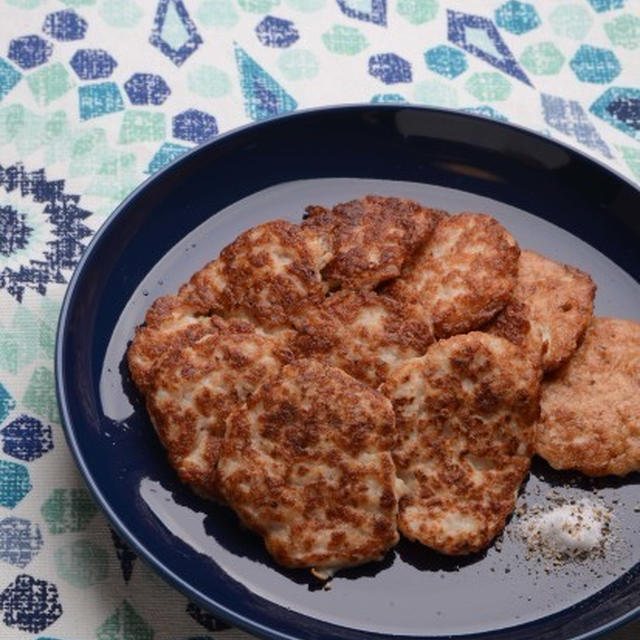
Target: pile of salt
{"points": [[572, 530]]}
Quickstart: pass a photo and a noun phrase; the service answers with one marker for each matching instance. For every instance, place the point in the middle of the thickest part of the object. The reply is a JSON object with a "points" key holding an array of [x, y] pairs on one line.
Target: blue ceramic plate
{"points": [[550, 197]]}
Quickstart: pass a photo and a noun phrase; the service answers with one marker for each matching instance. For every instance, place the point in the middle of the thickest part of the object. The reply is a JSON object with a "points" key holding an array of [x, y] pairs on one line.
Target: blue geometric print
{"points": [[377, 12], [15, 483], [146, 88], [100, 99], [167, 153], [606, 5], [388, 98], [126, 555], [14, 231], [263, 96], [194, 126], [26, 438], [30, 51], [20, 541], [61, 213], [487, 111], [30, 604], [517, 17], [620, 107], [174, 33], [446, 61], [570, 118], [479, 36], [276, 32], [390, 68], [65, 25], [9, 78], [7, 403], [594, 64], [92, 64]]}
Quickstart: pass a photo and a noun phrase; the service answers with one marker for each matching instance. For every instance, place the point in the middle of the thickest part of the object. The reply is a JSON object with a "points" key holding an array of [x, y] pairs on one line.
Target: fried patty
{"points": [[363, 333], [590, 407], [371, 238], [170, 322], [263, 274], [465, 415], [306, 463], [463, 276], [551, 309], [260, 277], [195, 386]]}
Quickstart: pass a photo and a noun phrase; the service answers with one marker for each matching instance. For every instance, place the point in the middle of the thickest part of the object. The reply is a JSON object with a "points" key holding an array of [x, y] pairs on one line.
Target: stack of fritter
{"points": [[381, 367]]}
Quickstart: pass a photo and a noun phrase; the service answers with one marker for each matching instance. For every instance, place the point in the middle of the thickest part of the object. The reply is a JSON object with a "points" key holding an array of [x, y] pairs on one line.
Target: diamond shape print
{"points": [[569, 117], [263, 95], [479, 36], [620, 107], [174, 33]]}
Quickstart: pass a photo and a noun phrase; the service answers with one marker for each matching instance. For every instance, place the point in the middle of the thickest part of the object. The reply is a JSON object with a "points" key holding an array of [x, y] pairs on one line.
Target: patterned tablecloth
{"points": [[95, 95]]}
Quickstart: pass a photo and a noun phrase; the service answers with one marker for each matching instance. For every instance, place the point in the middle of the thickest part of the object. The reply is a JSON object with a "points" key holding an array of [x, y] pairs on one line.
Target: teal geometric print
{"points": [[97, 95]]}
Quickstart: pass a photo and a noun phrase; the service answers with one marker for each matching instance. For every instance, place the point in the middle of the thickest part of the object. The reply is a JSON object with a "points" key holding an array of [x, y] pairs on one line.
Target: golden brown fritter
{"points": [[590, 407], [551, 309], [263, 273], [195, 386], [464, 417], [306, 463], [172, 320], [463, 276], [260, 277], [371, 238], [363, 333]]}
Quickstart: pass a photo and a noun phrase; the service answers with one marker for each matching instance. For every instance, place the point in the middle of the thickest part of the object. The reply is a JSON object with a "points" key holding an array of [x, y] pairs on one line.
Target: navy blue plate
{"points": [[550, 197]]}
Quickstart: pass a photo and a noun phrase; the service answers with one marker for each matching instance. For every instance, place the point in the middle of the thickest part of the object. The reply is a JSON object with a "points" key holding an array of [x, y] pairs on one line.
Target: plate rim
{"points": [[241, 621]]}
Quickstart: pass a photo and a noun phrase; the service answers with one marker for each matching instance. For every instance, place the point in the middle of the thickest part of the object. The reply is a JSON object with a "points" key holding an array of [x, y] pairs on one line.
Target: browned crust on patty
{"points": [[463, 276], [195, 386], [551, 309], [590, 407], [306, 463], [170, 322], [371, 237], [263, 274], [363, 333], [464, 416], [260, 277]]}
